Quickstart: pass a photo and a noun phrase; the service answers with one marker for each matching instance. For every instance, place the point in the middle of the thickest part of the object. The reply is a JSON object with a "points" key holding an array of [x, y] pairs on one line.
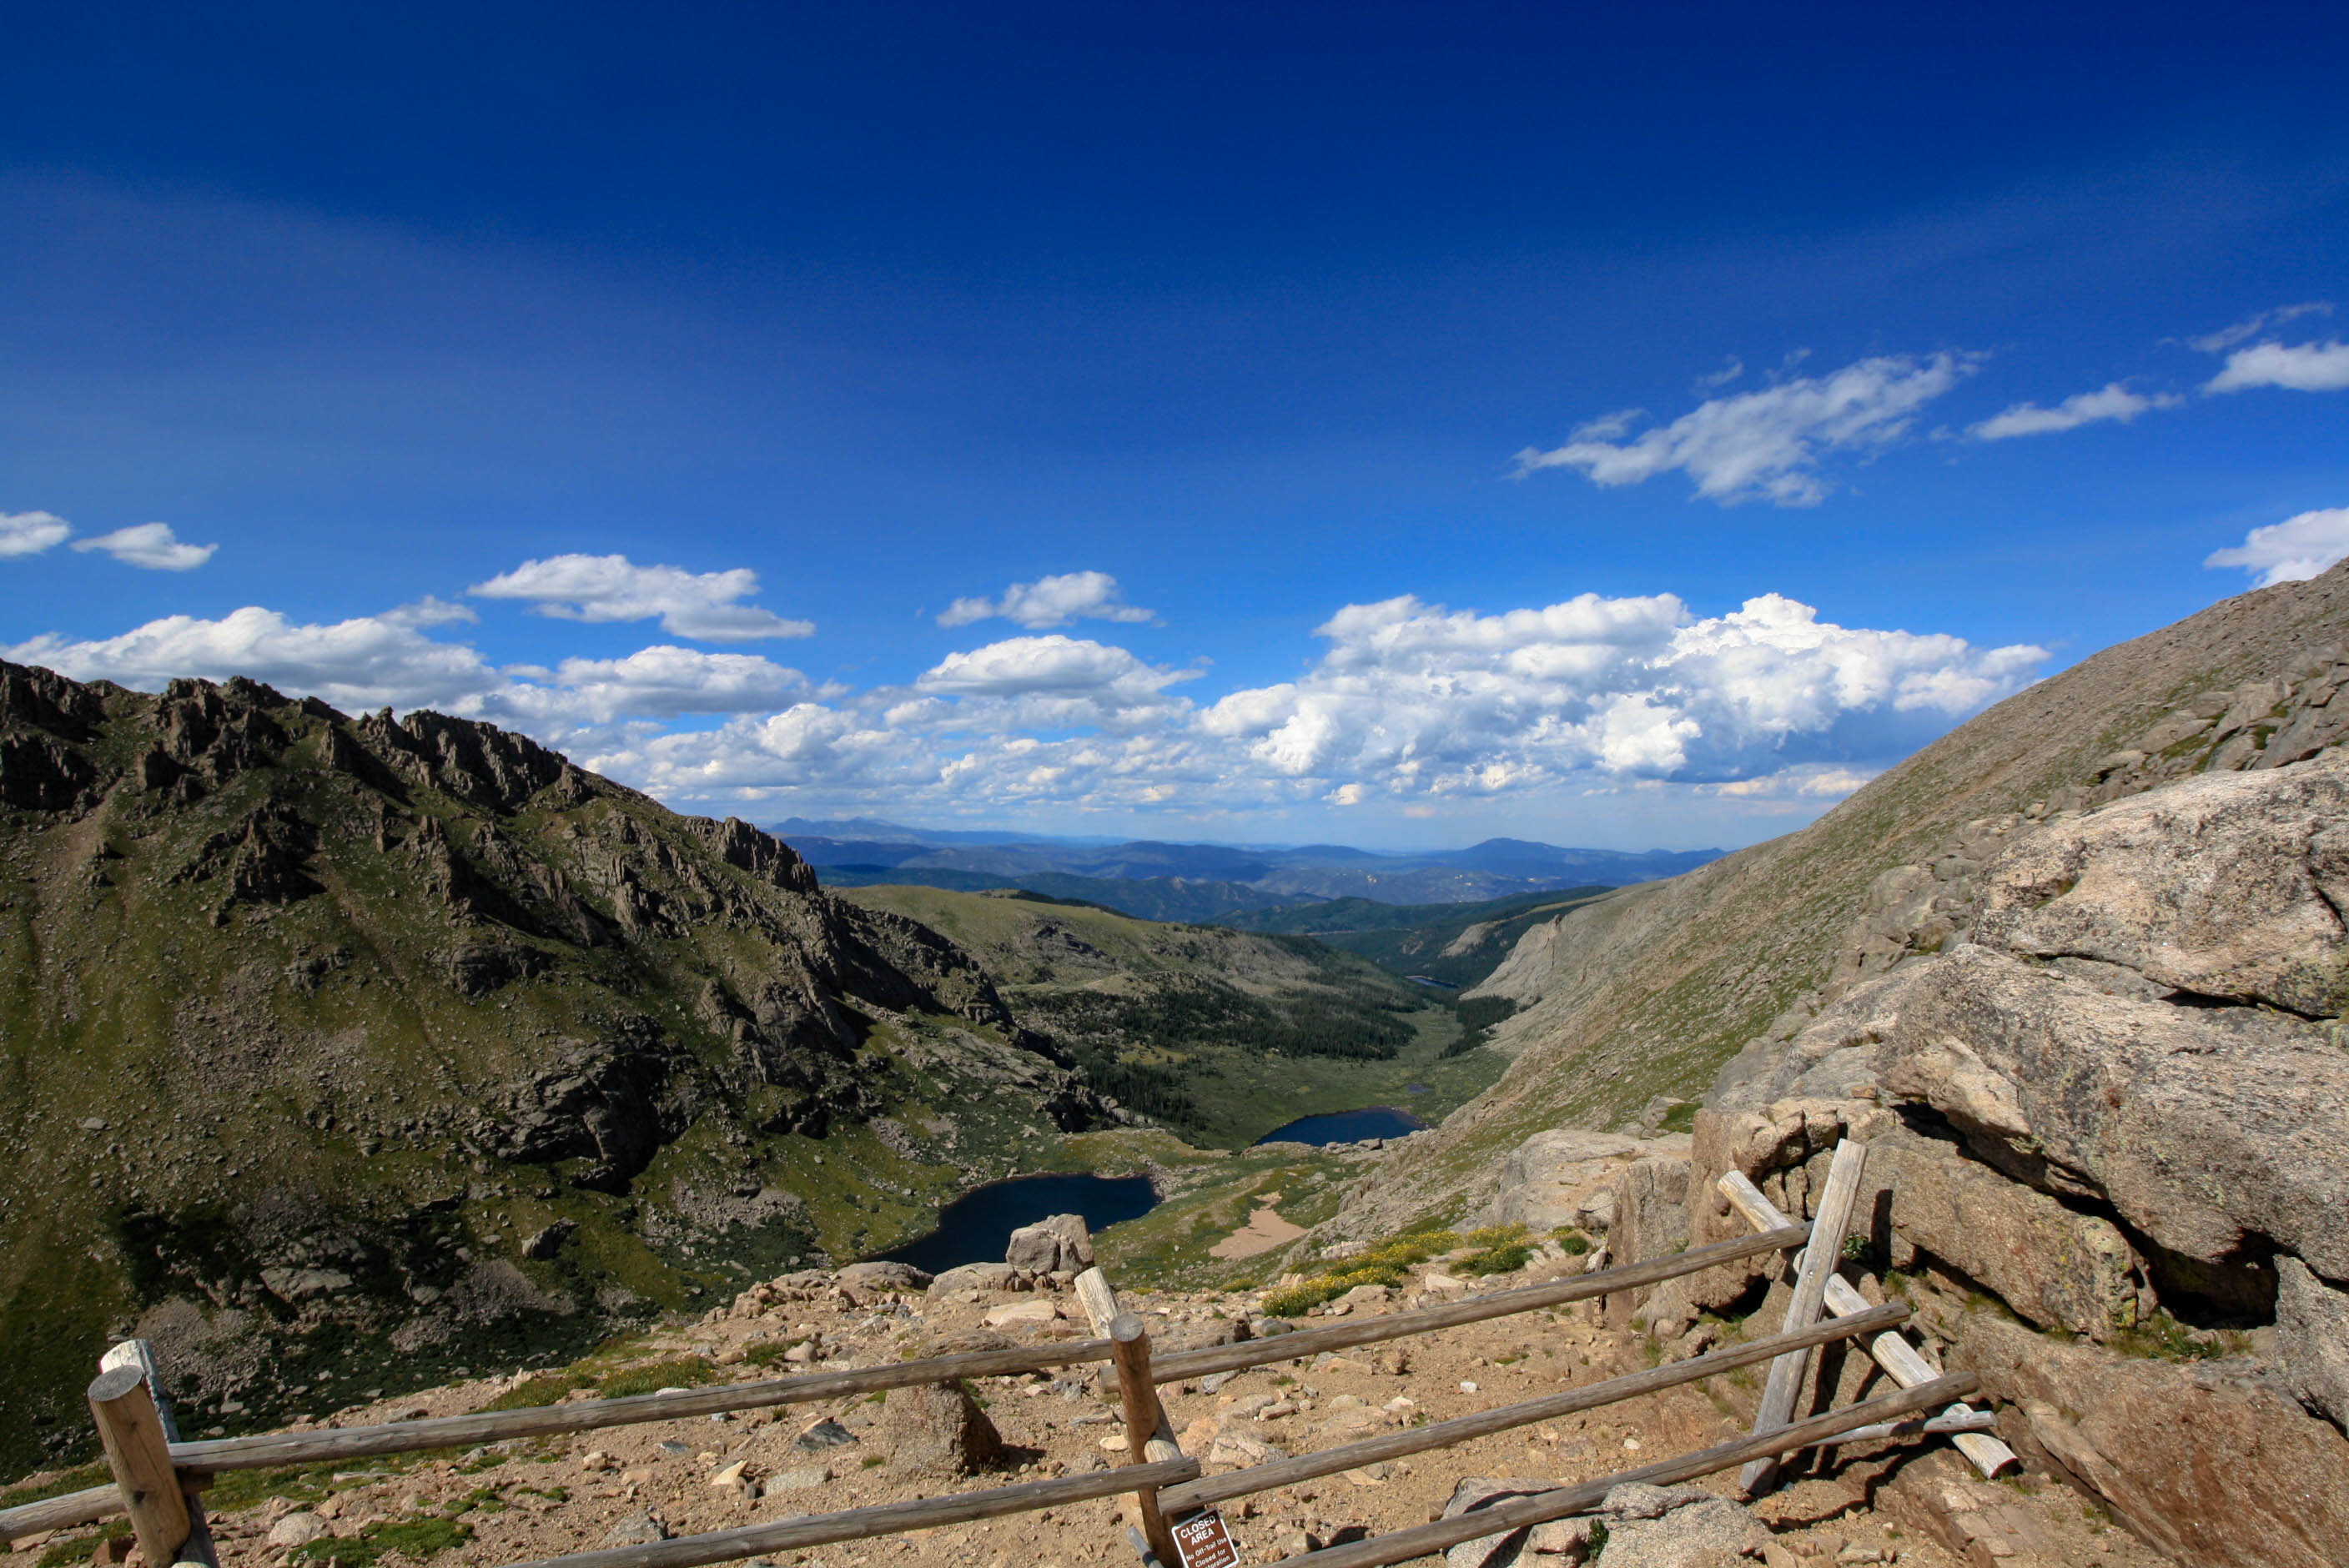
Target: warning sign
{"points": [[1202, 1541]]}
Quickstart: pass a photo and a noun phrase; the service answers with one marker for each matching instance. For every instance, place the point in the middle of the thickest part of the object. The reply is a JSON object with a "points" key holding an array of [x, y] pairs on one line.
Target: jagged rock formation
{"points": [[327, 1032]]}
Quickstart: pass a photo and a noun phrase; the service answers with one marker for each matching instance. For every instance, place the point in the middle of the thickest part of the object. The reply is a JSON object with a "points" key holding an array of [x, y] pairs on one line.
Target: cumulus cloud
{"points": [[2303, 367], [1419, 699], [31, 532], [1762, 445], [1049, 602], [705, 606], [152, 545], [367, 662], [660, 682], [1408, 703], [2291, 551], [2113, 401]]}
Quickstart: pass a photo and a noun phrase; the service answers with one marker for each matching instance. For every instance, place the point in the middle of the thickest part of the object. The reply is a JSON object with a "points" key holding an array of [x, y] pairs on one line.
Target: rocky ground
{"points": [[537, 1498]]}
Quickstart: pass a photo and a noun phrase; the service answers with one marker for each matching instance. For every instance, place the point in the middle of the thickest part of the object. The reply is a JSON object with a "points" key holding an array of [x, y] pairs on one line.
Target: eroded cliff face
{"points": [[326, 1031]]}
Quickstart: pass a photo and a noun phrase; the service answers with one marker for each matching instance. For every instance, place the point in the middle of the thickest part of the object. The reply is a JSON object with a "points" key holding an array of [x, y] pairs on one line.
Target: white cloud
{"points": [[31, 532], [2226, 337], [2303, 367], [367, 662], [152, 545], [1419, 699], [1049, 602], [2113, 401], [2291, 551], [1052, 682], [704, 606], [659, 682], [1765, 444], [1408, 703]]}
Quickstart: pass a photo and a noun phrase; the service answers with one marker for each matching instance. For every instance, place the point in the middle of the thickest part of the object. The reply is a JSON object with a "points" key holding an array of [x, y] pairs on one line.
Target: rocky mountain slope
{"points": [[1220, 1035], [333, 1044], [2093, 1042], [1646, 993]]}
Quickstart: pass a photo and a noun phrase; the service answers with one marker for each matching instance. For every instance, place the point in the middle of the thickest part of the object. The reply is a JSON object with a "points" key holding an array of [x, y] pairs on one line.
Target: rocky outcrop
{"points": [[1565, 1176], [423, 994], [2205, 1460]]}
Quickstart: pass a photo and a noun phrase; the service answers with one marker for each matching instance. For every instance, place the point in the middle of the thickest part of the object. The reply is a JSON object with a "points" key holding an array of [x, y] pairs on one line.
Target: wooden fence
{"points": [[158, 1480]]}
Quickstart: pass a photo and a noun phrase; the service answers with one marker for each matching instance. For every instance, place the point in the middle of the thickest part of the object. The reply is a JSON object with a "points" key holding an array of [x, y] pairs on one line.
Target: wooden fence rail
{"points": [[1402, 1545], [1461, 1429], [152, 1472]]}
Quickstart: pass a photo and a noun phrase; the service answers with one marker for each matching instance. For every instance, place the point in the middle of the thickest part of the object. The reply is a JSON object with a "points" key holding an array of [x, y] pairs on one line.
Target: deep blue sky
{"points": [[1253, 312]]}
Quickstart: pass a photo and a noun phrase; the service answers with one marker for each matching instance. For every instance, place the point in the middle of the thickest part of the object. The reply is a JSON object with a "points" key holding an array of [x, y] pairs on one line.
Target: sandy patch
{"points": [[1264, 1230]]}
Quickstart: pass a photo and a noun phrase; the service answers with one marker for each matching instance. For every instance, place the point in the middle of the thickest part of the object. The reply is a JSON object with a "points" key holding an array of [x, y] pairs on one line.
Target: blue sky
{"points": [[1394, 425]]}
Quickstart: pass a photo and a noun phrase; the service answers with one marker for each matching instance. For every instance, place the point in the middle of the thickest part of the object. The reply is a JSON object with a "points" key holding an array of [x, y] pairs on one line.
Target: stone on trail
{"points": [[794, 1480], [1678, 1527], [1478, 1492], [300, 1530], [1059, 1243], [637, 1530], [824, 1434], [937, 1428], [1023, 1314]]}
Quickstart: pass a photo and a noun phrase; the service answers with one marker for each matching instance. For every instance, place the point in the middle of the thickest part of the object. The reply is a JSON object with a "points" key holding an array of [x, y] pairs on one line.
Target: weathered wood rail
{"points": [[159, 1480]]}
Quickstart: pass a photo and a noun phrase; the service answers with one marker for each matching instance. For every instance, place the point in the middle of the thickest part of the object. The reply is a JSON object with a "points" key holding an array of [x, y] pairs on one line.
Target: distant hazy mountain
{"points": [[1212, 882]]}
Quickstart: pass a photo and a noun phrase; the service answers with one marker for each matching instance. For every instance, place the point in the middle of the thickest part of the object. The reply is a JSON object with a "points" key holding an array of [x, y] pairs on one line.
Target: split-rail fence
{"points": [[159, 1479]]}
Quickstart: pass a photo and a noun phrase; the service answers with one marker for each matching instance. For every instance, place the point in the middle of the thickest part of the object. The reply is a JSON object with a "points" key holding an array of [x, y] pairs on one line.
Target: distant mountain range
{"points": [[1210, 882]]}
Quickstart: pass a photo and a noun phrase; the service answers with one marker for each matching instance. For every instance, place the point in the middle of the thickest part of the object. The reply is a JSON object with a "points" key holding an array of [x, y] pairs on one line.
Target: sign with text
{"points": [[1202, 1541]]}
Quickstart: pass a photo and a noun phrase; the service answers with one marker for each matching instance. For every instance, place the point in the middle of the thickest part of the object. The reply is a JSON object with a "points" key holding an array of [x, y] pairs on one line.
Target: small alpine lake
{"points": [[1346, 1127], [977, 1227]]}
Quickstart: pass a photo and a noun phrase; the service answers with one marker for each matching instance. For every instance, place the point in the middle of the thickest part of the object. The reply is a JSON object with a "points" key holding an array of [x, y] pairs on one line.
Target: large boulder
{"points": [[977, 1277], [884, 1275], [2313, 1338], [2225, 887], [2211, 1129], [1058, 1243], [937, 1429], [1561, 1177], [2055, 1267], [2203, 1460]]}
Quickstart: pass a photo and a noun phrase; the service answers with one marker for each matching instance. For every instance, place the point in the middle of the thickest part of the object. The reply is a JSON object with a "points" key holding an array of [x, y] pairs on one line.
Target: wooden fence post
{"points": [[140, 1458], [1129, 1349], [1820, 1260], [1895, 1354]]}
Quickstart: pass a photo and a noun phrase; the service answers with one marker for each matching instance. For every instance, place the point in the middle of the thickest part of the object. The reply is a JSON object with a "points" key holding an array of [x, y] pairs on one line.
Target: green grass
{"points": [[683, 1372]]}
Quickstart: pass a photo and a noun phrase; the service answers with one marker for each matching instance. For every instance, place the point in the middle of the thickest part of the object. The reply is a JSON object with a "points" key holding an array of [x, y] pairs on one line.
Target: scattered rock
{"points": [[637, 1530], [1478, 1492], [1023, 1313], [1057, 1243], [300, 1530], [885, 1276], [824, 1434], [937, 1428], [1677, 1527], [799, 1479], [976, 1276]]}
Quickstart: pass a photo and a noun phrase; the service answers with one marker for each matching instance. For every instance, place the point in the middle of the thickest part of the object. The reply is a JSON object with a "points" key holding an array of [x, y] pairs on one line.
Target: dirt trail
{"points": [[540, 1497]]}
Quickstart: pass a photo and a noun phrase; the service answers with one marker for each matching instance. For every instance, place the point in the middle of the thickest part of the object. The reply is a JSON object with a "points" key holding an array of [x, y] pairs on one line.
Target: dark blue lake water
{"points": [[1346, 1125], [976, 1227]]}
